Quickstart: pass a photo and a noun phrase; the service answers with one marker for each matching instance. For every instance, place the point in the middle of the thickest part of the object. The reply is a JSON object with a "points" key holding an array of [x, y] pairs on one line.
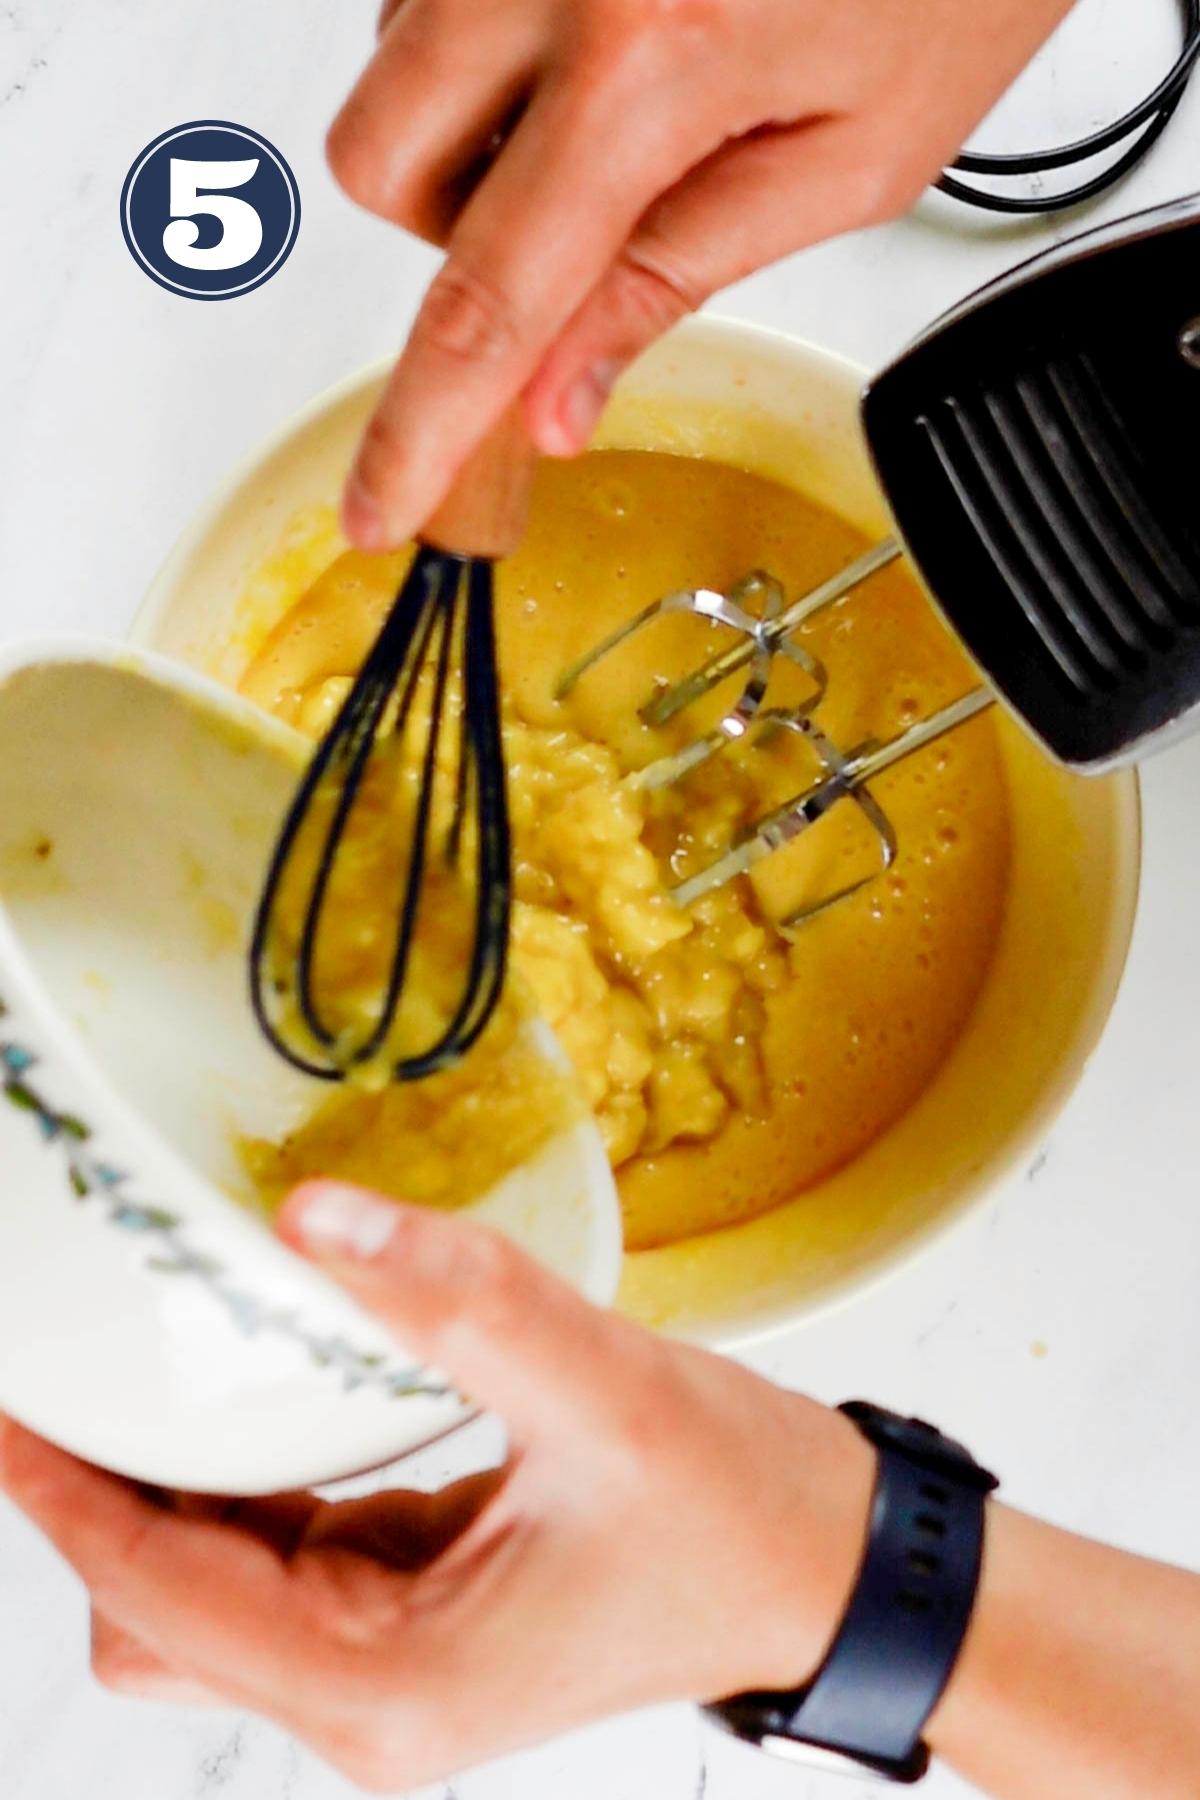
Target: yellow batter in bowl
{"points": [[731, 1066]]}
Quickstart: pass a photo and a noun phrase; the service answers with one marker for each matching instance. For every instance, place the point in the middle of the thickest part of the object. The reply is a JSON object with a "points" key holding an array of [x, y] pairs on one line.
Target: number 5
{"points": [[241, 228]]}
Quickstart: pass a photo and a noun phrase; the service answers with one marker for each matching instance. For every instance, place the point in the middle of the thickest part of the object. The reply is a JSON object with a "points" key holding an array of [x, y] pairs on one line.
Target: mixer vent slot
{"points": [[1043, 467], [1116, 484]]}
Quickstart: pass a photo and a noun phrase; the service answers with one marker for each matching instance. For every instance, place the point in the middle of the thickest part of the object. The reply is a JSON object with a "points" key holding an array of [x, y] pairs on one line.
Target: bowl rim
{"points": [[980, 1189], [18, 974], [722, 328], [724, 333]]}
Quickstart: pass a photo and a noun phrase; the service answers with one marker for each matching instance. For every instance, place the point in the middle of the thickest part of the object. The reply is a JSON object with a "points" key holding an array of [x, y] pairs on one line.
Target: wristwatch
{"points": [[899, 1637]]}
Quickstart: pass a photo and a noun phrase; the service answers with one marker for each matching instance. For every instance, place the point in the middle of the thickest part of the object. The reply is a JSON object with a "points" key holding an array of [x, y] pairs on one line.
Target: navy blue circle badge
{"points": [[210, 210]]}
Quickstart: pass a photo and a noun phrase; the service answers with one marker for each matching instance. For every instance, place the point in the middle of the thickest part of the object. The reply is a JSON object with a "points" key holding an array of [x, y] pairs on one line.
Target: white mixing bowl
{"points": [[788, 411]]}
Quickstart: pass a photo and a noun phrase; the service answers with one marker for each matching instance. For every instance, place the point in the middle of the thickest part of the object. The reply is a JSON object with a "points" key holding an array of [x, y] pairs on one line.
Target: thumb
{"points": [[759, 198], [465, 1299]]}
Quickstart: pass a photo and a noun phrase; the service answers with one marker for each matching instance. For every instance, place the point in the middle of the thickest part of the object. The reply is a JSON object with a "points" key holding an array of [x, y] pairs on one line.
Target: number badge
{"points": [[210, 210]]}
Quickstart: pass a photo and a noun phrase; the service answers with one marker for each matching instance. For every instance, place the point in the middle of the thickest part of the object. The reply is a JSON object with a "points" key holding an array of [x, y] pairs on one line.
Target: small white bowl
{"points": [[788, 411], [149, 1322]]}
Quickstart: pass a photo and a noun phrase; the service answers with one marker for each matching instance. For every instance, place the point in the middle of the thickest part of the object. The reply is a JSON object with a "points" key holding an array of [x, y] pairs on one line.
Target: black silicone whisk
{"points": [[427, 694]]}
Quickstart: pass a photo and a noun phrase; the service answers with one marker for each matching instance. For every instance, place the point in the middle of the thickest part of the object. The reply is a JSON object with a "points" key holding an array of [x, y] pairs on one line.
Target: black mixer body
{"points": [[1039, 448]]}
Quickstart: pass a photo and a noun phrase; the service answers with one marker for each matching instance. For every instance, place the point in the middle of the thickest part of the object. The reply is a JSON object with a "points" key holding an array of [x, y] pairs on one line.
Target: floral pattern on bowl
{"points": [[170, 1253]]}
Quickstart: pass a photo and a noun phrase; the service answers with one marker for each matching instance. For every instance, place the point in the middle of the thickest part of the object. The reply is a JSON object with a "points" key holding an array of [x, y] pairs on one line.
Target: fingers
{"points": [[771, 193], [281, 1520], [167, 1581], [123, 1664], [415, 133], [462, 1297], [405, 1531], [538, 233]]}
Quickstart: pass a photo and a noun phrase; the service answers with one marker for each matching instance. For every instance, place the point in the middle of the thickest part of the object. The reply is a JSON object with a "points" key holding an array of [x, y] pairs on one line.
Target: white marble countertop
{"points": [[123, 405]]}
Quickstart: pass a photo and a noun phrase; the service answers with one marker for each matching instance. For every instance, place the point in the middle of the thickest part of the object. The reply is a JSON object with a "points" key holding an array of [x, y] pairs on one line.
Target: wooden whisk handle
{"points": [[485, 512]]}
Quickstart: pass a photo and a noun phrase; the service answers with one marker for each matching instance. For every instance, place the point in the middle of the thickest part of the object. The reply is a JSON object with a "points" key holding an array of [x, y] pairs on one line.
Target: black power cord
{"points": [[1149, 119]]}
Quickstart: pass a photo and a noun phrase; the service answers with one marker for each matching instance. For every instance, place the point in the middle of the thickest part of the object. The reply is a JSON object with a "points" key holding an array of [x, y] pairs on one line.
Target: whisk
{"points": [[428, 691]]}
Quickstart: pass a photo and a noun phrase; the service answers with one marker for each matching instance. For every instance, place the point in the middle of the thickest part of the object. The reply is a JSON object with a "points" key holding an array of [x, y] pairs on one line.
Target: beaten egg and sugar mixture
{"points": [[730, 1064]]}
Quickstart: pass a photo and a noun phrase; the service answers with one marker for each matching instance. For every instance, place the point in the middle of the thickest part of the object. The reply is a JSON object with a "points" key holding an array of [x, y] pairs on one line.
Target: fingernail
{"points": [[362, 521], [581, 406], [346, 1222]]}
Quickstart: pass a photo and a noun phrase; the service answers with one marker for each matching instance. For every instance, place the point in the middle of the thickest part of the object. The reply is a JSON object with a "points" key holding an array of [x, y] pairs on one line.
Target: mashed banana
{"points": [[460, 1129], [729, 1064]]}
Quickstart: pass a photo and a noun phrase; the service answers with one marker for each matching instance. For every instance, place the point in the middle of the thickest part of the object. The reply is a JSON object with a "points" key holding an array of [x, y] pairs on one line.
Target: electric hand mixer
{"points": [[1039, 449]]}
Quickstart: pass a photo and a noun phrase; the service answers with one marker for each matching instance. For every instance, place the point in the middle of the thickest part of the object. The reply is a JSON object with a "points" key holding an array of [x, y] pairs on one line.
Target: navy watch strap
{"points": [[906, 1618]]}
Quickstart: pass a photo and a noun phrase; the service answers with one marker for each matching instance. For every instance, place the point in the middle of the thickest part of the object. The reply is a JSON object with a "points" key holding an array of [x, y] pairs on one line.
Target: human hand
{"points": [[667, 1525], [597, 168]]}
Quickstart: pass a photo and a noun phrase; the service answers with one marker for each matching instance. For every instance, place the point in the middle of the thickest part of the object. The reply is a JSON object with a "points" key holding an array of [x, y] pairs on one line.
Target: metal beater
{"points": [[762, 636], [1028, 446]]}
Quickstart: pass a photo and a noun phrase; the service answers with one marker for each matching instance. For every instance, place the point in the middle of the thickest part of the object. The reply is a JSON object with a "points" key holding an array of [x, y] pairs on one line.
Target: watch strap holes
{"points": [[913, 1602], [930, 1524], [933, 1490], [920, 1562]]}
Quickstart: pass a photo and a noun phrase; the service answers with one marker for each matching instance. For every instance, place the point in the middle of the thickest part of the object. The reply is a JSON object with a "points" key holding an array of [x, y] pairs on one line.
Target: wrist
{"points": [[811, 1531], [1080, 1663], [901, 1630], [1021, 1555], [972, 1677]]}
